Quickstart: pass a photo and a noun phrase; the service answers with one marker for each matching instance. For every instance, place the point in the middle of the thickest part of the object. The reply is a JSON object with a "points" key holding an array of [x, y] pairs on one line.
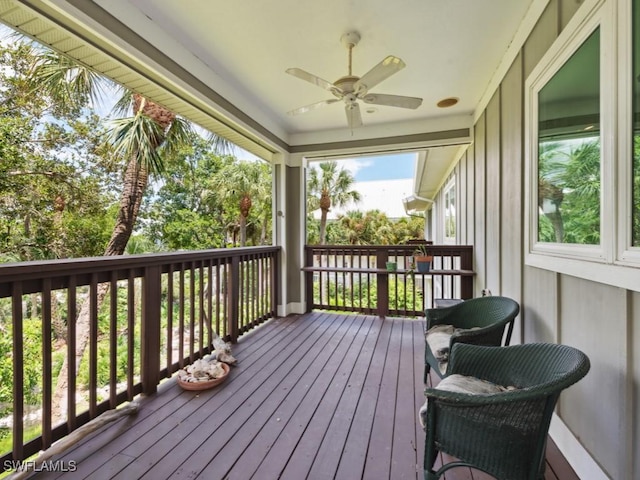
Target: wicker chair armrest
{"points": [[438, 316]]}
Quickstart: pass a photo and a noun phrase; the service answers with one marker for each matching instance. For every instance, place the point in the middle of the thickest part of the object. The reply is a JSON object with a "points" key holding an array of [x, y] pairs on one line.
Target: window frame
{"points": [[575, 259], [627, 254]]}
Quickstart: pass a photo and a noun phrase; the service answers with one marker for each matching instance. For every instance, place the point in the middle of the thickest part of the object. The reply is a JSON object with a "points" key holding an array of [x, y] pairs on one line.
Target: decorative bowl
{"points": [[207, 384]]}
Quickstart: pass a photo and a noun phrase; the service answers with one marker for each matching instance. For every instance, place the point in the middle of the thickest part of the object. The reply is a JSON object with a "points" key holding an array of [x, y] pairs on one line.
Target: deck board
{"points": [[316, 396]]}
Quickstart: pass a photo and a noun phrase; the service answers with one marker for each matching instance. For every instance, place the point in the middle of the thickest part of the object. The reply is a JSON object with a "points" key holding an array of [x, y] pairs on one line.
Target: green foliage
{"points": [[32, 368], [636, 191], [54, 181], [403, 294], [372, 227], [570, 182]]}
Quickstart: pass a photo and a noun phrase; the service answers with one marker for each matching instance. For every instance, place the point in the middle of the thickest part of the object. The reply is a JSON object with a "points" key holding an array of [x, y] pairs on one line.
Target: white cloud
{"points": [[383, 195], [352, 165]]}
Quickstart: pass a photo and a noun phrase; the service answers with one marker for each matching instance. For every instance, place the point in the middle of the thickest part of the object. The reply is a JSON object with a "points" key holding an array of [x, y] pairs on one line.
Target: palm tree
{"points": [[329, 187], [140, 141], [242, 182]]}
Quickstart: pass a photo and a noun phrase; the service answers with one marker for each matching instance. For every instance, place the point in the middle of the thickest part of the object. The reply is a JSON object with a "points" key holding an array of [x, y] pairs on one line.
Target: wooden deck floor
{"points": [[316, 396]]}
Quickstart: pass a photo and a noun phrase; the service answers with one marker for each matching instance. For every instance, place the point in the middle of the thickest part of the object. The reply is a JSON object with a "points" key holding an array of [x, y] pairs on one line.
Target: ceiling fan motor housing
{"points": [[345, 84]]}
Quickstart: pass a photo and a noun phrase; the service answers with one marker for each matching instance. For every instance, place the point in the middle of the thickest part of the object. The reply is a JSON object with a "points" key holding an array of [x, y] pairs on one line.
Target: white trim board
{"points": [[579, 459]]}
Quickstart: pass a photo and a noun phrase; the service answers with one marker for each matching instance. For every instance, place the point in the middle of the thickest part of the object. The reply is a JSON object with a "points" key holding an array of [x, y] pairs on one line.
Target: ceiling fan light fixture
{"points": [[448, 102]]}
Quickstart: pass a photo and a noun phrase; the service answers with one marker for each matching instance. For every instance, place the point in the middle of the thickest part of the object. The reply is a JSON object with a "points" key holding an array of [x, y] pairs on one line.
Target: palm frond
{"points": [[138, 137], [67, 81], [180, 133], [123, 105], [220, 145]]}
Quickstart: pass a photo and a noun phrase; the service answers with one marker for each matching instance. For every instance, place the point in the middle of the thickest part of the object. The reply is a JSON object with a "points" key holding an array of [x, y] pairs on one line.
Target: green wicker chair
{"points": [[503, 434], [487, 316]]}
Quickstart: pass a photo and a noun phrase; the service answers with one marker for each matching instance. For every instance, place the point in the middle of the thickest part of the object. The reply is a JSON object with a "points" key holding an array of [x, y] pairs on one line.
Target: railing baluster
{"points": [[46, 364], [233, 297], [181, 316], [72, 313], [113, 341], [218, 303], [209, 304], [93, 346], [170, 320], [131, 329], [18, 372], [192, 312], [201, 309]]}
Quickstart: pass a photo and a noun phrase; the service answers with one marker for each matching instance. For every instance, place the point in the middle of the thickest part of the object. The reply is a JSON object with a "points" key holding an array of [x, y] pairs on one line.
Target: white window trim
{"points": [[451, 184], [602, 262]]}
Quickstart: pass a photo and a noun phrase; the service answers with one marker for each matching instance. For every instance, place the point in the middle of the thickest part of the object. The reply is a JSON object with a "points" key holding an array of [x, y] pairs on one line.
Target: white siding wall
{"points": [[603, 410]]}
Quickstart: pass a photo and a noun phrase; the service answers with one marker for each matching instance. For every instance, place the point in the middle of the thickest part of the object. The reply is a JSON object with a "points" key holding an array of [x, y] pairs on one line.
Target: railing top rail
{"points": [[35, 271], [408, 248], [76, 265]]}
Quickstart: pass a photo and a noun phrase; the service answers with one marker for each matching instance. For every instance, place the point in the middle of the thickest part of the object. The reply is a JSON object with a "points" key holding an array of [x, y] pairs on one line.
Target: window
{"points": [[635, 147], [450, 213], [582, 124], [569, 182], [571, 144]]}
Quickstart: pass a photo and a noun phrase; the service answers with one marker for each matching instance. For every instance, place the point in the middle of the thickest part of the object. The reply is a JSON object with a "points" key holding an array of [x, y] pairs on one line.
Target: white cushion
{"points": [[470, 385], [438, 339], [463, 384]]}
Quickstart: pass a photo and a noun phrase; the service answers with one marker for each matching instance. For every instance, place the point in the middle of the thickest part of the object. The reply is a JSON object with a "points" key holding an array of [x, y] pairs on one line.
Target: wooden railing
{"points": [[157, 316], [354, 278]]}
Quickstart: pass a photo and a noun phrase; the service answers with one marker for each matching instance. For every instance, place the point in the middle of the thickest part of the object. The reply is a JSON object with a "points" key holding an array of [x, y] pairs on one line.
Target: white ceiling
{"points": [[241, 49]]}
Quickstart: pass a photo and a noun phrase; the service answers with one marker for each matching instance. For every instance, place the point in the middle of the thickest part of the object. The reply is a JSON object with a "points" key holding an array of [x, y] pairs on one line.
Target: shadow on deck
{"points": [[313, 396]]}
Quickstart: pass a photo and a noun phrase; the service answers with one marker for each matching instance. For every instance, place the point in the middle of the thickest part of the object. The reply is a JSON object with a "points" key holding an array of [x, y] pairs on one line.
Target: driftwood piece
{"points": [[74, 437]]}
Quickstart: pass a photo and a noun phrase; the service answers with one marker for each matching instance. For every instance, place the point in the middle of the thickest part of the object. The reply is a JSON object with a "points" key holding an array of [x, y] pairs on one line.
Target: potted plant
{"points": [[422, 259]]}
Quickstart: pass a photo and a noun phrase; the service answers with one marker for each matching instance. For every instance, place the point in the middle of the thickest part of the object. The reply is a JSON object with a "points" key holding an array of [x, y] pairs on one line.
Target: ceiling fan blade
{"points": [[313, 106], [377, 74], [392, 100], [354, 119], [309, 77]]}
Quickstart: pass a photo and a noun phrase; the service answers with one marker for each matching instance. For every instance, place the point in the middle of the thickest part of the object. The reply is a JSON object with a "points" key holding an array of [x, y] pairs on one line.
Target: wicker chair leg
{"points": [[430, 475]]}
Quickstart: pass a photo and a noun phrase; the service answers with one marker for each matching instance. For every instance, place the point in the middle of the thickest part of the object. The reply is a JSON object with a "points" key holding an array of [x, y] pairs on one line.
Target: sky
{"points": [[382, 181]]}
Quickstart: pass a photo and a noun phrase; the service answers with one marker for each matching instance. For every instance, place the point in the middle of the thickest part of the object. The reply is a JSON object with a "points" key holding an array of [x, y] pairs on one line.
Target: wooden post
{"points": [[276, 294], [233, 298], [382, 256], [466, 282], [308, 277], [150, 348]]}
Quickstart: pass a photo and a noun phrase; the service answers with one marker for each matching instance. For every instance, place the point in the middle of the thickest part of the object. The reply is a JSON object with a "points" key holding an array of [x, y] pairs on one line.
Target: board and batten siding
{"points": [[603, 410]]}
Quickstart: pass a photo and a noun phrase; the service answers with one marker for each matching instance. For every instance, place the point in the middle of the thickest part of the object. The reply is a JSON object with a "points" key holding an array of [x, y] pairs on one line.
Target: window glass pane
{"points": [[569, 150], [450, 214], [635, 241]]}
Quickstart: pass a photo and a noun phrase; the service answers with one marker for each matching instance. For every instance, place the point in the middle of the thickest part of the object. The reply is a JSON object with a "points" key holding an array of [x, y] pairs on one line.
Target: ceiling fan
{"points": [[351, 88]]}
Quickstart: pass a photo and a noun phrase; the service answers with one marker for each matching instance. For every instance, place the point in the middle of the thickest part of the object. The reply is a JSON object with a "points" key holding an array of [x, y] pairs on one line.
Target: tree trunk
{"points": [[323, 226], [558, 225], [135, 183], [243, 230]]}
